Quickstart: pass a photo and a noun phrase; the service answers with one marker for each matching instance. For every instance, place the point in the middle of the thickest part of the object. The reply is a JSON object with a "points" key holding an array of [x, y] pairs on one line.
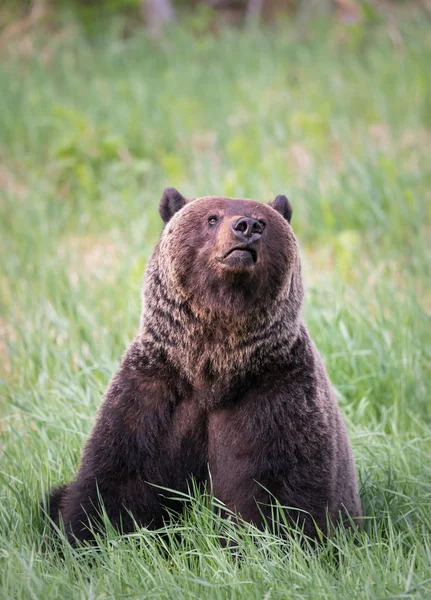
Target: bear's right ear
{"points": [[170, 203], [282, 205]]}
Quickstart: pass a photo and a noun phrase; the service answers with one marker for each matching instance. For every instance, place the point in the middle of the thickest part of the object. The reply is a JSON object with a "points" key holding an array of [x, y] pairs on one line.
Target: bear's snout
{"points": [[247, 229], [243, 250]]}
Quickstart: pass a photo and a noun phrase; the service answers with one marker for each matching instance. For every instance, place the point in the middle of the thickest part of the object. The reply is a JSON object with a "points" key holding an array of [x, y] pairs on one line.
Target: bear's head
{"points": [[227, 254]]}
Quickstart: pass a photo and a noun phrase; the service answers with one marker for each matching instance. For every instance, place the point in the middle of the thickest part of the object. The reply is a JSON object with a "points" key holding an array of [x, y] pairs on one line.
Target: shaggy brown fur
{"points": [[222, 378]]}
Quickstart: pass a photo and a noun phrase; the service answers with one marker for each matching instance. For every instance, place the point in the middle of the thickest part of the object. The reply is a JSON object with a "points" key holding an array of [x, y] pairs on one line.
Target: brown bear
{"points": [[222, 383]]}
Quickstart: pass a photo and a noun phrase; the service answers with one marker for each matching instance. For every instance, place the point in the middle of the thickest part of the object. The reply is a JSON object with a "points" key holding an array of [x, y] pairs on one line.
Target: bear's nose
{"points": [[247, 228]]}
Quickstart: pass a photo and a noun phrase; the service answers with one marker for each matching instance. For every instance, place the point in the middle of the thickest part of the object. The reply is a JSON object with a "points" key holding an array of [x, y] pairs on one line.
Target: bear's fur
{"points": [[222, 382]]}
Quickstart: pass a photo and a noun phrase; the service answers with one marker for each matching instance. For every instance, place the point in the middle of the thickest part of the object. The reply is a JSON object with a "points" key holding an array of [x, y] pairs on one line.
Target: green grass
{"points": [[90, 134]]}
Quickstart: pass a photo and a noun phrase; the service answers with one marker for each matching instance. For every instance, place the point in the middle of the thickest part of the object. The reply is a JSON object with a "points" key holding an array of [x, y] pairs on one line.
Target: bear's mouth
{"points": [[240, 256]]}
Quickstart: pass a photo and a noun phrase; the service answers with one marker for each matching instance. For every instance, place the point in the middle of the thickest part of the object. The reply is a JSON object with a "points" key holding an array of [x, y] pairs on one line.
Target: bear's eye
{"points": [[212, 220]]}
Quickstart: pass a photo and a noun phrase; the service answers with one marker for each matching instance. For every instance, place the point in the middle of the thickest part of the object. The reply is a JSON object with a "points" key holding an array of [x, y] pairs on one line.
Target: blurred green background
{"points": [[328, 103]]}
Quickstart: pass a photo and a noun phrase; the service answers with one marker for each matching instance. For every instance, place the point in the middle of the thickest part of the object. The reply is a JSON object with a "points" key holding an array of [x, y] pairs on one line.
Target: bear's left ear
{"points": [[170, 203], [282, 205]]}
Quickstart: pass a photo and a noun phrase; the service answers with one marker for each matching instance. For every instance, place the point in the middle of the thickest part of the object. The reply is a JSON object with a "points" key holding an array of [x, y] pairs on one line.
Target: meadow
{"points": [[91, 131]]}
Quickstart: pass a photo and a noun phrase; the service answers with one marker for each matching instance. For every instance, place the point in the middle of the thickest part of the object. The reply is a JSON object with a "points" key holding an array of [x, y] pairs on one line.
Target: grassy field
{"points": [[90, 134]]}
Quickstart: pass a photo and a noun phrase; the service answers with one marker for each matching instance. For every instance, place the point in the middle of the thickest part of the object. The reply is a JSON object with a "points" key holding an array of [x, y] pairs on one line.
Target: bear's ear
{"points": [[170, 203], [282, 205]]}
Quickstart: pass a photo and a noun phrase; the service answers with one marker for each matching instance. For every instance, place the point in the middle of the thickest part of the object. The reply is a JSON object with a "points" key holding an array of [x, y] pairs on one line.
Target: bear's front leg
{"points": [[270, 445], [237, 466], [147, 434]]}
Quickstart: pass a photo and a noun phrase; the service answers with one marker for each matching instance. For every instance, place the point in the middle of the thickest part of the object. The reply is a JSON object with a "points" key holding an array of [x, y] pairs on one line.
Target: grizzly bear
{"points": [[221, 384]]}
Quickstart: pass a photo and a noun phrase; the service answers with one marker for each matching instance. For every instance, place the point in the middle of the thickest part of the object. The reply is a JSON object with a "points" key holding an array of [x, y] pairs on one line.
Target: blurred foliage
{"points": [[199, 15]]}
